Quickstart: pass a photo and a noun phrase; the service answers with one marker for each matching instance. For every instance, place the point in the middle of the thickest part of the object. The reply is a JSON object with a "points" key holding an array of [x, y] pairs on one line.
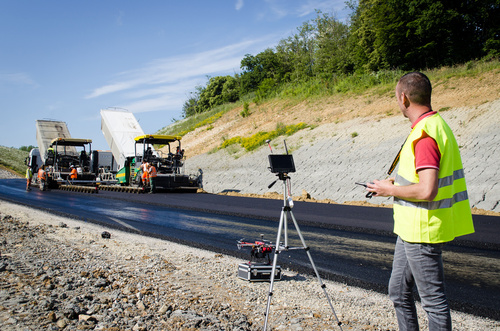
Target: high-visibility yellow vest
{"points": [[448, 215]]}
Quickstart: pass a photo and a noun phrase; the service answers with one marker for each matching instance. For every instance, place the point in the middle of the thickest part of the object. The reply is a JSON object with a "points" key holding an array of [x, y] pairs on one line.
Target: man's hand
{"points": [[381, 188], [425, 190]]}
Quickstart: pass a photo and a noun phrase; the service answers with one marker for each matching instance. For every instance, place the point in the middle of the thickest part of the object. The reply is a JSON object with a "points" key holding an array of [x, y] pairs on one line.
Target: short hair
{"points": [[417, 87]]}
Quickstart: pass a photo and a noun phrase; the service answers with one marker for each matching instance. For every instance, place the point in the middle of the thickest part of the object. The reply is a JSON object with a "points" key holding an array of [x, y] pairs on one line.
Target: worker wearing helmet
{"points": [[152, 177], [73, 174]]}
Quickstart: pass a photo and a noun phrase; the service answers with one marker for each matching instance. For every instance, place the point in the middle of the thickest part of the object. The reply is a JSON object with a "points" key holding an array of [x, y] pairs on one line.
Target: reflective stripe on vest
{"points": [[448, 216], [433, 205]]}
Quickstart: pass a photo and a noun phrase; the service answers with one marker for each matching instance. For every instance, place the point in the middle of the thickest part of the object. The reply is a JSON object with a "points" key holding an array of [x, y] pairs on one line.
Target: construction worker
{"points": [[50, 155], [144, 176], [73, 174], [42, 178], [29, 176], [152, 177]]}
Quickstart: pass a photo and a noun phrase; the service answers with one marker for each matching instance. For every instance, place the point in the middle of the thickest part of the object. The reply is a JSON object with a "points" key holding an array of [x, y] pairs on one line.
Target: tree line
{"points": [[379, 35]]}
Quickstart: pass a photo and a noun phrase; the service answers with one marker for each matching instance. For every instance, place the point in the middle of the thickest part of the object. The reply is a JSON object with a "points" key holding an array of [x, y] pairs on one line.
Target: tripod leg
{"points": [[275, 259], [323, 286]]}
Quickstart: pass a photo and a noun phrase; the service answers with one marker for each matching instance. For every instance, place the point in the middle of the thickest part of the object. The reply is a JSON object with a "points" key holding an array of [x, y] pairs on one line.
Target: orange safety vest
{"points": [[73, 174], [41, 174], [152, 171]]}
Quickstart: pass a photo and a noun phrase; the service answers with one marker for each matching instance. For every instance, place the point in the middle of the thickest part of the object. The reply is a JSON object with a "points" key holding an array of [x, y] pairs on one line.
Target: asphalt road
{"points": [[348, 243]]}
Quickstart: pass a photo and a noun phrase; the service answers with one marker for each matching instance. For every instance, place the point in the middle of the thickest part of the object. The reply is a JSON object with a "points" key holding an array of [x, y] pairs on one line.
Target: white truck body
{"points": [[34, 160], [120, 129], [46, 131]]}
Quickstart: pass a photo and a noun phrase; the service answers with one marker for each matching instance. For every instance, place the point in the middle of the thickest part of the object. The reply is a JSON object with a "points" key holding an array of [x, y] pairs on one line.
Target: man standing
{"points": [[152, 177], [431, 206], [42, 178], [73, 174], [144, 174], [29, 176]]}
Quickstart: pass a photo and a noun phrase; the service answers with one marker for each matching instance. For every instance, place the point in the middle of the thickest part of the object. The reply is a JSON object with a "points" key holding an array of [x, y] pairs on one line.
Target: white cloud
{"points": [[107, 89], [164, 84], [326, 6], [170, 70], [17, 79], [119, 18], [163, 102], [281, 8], [239, 4]]}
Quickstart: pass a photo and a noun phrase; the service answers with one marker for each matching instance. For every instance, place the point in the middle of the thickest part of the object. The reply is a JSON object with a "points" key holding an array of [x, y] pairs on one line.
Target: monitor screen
{"points": [[281, 163]]}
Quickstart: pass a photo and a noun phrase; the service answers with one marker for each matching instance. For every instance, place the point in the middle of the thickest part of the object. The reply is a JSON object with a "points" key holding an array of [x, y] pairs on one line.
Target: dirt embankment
{"points": [[374, 105], [8, 173], [352, 138]]}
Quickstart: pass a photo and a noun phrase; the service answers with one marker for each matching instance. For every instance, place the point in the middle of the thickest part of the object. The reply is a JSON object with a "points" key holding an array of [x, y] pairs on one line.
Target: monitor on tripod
{"points": [[281, 163]]}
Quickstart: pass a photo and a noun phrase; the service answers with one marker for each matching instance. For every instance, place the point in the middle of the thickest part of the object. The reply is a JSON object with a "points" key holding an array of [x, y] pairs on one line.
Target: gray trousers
{"points": [[420, 265]]}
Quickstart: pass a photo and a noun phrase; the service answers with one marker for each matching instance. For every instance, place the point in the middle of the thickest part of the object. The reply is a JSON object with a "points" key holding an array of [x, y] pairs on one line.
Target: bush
{"points": [[246, 110], [13, 158], [255, 141]]}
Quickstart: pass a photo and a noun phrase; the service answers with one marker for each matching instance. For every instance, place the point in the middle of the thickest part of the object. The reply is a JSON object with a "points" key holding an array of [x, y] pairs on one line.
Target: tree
{"points": [[219, 89], [26, 148], [265, 65], [231, 90], [250, 77], [417, 34], [333, 51], [191, 105], [298, 50]]}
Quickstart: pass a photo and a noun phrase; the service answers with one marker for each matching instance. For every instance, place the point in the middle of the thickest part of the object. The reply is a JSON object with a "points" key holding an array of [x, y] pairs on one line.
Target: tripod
{"points": [[286, 211]]}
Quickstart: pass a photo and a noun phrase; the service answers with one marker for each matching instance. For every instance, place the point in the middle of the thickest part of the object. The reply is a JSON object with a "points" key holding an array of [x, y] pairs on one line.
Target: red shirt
{"points": [[427, 153]]}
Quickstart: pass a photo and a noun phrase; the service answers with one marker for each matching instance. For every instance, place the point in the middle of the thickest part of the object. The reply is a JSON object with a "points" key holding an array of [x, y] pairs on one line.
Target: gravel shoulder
{"points": [[60, 273]]}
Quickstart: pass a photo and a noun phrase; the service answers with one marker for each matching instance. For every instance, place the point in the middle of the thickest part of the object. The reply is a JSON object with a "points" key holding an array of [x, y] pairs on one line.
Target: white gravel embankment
{"points": [[140, 283], [331, 157]]}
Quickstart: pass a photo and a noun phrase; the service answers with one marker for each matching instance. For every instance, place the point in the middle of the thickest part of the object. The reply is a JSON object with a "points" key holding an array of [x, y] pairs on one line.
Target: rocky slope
{"points": [[351, 139]]}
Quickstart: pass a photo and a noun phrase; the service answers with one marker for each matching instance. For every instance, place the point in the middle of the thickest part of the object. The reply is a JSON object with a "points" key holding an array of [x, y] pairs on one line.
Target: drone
{"points": [[260, 249]]}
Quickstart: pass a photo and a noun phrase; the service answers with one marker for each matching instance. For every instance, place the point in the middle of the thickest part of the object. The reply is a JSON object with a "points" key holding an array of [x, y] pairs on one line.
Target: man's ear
{"points": [[405, 99]]}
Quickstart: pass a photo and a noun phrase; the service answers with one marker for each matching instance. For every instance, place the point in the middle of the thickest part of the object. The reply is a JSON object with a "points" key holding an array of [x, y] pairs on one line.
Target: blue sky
{"points": [[66, 60]]}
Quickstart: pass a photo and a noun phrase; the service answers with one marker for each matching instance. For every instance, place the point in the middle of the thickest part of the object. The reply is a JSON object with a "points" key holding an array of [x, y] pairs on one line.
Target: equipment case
{"points": [[258, 272]]}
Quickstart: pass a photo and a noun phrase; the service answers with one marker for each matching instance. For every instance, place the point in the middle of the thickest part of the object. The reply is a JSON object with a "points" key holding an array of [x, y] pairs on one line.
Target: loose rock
{"points": [[57, 278]]}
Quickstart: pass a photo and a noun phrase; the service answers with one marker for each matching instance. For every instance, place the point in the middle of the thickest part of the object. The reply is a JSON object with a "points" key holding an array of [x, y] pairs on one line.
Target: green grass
{"points": [[290, 94], [257, 140], [183, 127], [13, 159]]}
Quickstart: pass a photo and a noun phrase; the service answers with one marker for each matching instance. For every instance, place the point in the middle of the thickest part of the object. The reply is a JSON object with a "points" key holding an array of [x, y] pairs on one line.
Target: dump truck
{"points": [[57, 151], [46, 132], [131, 147], [120, 128]]}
